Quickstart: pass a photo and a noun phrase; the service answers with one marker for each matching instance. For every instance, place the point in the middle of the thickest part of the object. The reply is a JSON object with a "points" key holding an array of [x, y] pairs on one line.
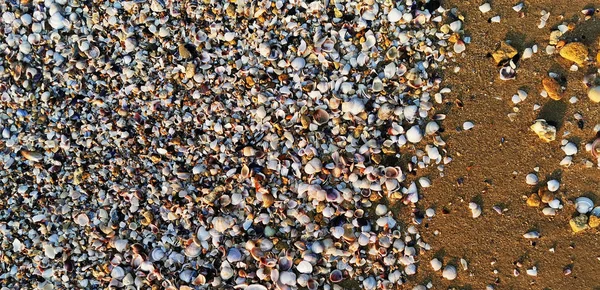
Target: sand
{"points": [[493, 171]]}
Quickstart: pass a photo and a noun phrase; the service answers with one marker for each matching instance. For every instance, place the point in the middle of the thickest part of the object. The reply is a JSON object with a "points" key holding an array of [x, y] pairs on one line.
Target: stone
{"points": [[579, 223], [594, 221], [503, 53], [575, 52], [534, 200], [553, 88]]}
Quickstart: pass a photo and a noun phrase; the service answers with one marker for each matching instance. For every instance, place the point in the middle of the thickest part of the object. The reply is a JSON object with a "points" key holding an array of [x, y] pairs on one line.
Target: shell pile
{"points": [[185, 144]]}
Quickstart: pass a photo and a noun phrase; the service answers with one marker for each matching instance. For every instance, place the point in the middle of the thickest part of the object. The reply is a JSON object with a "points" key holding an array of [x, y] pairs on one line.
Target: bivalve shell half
{"points": [[320, 116], [584, 204]]}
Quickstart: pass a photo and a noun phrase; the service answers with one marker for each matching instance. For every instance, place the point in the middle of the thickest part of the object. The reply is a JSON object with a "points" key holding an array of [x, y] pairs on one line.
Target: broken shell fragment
{"points": [[545, 131]]}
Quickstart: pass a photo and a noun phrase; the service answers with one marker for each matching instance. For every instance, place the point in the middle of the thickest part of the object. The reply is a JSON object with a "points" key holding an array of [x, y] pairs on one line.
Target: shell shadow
{"points": [[553, 112]]}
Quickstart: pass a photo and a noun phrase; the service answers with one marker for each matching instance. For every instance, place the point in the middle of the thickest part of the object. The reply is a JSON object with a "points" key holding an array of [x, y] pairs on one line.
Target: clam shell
{"points": [[192, 250], [320, 116], [336, 276], [584, 204], [32, 155]]}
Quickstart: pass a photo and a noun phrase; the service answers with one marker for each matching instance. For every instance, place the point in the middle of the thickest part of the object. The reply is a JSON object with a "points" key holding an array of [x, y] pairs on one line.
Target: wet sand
{"points": [[493, 172]]}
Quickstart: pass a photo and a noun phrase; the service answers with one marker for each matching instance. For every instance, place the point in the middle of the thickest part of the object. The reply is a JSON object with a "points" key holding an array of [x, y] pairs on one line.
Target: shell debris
{"points": [[195, 144]]}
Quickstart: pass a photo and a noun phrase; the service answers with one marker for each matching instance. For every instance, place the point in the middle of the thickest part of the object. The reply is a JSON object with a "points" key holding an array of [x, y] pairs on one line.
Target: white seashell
{"points": [[531, 179], [569, 149], [549, 211], [186, 276], [394, 15], [368, 15], [298, 63], [456, 25], [381, 209], [424, 182], [287, 278], [82, 220], [226, 271], [120, 245], [495, 19], [234, 255], [377, 85], [532, 235], [355, 106], [507, 73], [484, 8], [596, 211], [304, 267], [255, 287], [475, 209], [464, 264], [527, 53], [449, 272], [410, 269], [117, 272], [414, 134], [518, 7], [553, 185], [468, 125], [584, 204], [57, 21], [430, 212], [436, 264], [555, 204], [459, 46], [389, 71], [370, 41], [157, 254], [313, 166], [369, 283], [221, 224], [192, 250], [532, 271], [431, 128]]}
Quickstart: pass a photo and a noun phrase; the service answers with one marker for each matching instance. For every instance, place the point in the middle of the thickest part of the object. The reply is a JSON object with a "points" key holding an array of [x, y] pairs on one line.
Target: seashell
{"points": [[226, 271], [186, 275], [394, 15], [285, 263], [234, 255], [298, 63], [584, 204], [436, 264], [449, 272], [459, 46], [595, 148], [392, 53], [32, 155], [370, 41], [377, 85], [369, 283], [192, 250], [545, 131], [287, 278], [200, 280], [320, 116], [355, 106], [313, 166], [328, 45], [475, 209], [456, 25], [304, 267], [484, 8], [333, 195], [553, 185], [594, 94], [120, 245], [507, 73], [596, 211], [531, 179], [157, 254], [527, 53], [414, 135], [392, 172], [531, 235], [117, 273], [82, 220], [312, 284], [256, 287]]}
